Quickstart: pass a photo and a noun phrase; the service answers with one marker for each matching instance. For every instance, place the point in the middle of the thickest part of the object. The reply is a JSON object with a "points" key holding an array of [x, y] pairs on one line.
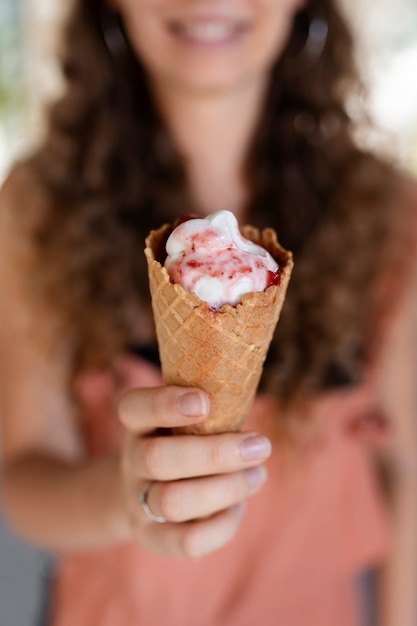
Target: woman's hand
{"points": [[198, 484]]}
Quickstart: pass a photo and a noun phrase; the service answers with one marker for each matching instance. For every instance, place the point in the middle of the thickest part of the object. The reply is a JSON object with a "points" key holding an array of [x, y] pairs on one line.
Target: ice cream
{"points": [[210, 258], [219, 348]]}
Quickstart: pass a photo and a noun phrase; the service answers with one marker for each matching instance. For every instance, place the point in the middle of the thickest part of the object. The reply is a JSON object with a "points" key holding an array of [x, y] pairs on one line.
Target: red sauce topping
{"points": [[274, 278], [214, 267]]}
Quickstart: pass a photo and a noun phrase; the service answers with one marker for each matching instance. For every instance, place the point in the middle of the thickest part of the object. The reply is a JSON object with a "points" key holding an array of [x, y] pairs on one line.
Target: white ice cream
{"points": [[211, 258]]}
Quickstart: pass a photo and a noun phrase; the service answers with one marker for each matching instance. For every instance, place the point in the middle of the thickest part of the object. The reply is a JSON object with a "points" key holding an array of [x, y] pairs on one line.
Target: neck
{"points": [[213, 133]]}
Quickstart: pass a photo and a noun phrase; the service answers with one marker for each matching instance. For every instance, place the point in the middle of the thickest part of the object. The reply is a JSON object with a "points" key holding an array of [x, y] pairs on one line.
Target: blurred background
{"points": [[29, 79]]}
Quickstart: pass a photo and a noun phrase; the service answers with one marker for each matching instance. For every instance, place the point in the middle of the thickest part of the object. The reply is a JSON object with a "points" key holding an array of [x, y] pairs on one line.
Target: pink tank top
{"points": [[302, 539]]}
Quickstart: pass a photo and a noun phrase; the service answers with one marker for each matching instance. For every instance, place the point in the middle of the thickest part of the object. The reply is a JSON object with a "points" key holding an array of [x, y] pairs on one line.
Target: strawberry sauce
{"points": [[210, 258]]}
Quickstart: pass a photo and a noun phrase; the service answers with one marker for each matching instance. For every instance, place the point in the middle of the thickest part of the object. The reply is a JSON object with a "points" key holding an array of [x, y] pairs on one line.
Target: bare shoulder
{"points": [[35, 408], [15, 247], [22, 199], [406, 207], [15, 187], [397, 367], [400, 288], [399, 261], [410, 190]]}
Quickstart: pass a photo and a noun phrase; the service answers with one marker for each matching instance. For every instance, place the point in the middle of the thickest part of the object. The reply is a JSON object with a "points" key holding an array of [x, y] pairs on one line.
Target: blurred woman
{"points": [[188, 106]]}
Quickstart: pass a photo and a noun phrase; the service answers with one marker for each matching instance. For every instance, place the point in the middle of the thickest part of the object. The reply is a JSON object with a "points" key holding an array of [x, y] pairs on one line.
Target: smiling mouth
{"points": [[209, 31]]}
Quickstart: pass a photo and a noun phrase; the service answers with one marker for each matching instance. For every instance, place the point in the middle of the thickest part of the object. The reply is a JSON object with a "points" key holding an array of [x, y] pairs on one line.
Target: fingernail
{"points": [[255, 448], [193, 404], [239, 509], [256, 475]]}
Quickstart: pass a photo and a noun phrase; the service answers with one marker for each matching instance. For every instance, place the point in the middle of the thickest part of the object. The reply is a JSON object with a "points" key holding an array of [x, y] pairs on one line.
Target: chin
{"points": [[206, 79]]}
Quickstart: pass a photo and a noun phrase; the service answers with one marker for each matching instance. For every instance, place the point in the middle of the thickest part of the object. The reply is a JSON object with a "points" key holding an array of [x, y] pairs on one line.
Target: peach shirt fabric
{"points": [[302, 539]]}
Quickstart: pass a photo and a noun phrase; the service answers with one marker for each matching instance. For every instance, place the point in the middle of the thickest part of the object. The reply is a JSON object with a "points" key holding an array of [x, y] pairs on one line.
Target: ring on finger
{"points": [[143, 499]]}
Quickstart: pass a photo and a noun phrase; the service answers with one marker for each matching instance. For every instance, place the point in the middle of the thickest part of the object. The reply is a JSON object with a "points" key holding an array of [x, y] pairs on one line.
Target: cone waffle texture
{"points": [[221, 352]]}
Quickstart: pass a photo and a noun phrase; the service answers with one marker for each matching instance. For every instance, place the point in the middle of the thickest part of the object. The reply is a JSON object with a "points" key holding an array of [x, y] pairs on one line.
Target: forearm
{"points": [[65, 506]]}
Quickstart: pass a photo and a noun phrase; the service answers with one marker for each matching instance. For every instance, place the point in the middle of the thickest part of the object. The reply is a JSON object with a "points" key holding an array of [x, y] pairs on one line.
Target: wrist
{"points": [[115, 509]]}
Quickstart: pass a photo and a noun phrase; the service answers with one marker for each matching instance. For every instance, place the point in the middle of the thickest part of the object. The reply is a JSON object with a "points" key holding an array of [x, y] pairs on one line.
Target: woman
{"points": [[186, 107]]}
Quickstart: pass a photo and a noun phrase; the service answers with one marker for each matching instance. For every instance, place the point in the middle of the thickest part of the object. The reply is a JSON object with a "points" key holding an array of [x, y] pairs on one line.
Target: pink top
{"points": [[302, 538]]}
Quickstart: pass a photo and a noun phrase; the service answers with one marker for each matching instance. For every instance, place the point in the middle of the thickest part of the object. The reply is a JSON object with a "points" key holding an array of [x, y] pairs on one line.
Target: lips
{"points": [[208, 31]]}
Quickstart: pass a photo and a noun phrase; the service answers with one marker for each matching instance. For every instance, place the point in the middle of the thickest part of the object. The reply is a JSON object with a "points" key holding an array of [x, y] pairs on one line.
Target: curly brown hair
{"points": [[108, 172]]}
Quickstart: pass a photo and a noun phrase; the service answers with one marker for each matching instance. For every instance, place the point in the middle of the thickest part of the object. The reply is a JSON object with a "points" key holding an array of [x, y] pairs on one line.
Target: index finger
{"points": [[143, 410]]}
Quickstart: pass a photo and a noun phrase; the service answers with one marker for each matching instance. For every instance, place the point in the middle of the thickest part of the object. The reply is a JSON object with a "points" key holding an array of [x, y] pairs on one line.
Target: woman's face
{"points": [[207, 45]]}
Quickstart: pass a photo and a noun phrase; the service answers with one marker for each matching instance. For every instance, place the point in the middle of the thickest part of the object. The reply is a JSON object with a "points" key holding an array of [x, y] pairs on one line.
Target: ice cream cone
{"points": [[221, 352]]}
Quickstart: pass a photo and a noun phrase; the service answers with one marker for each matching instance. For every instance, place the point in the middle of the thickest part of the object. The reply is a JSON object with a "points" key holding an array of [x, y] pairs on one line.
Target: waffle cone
{"points": [[221, 352]]}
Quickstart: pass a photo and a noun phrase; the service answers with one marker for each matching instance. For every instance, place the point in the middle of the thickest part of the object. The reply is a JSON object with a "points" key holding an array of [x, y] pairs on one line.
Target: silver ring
{"points": [[143, 499]]}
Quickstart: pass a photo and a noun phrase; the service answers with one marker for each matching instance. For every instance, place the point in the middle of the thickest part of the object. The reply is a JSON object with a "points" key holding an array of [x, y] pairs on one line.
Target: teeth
{"points": [[208, 32]]}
